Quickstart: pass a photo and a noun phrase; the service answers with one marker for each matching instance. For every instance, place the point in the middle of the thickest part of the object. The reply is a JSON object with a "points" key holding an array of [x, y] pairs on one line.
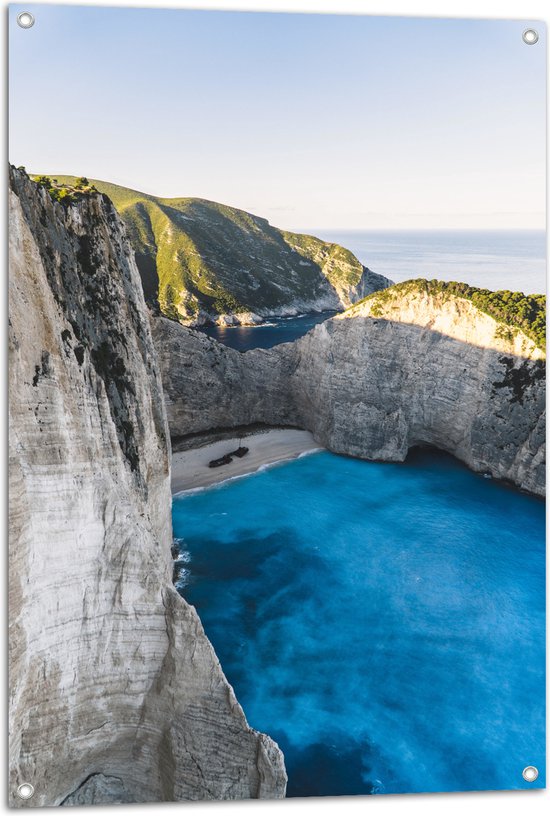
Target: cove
{"points": [[275, 331], [384, 623]]}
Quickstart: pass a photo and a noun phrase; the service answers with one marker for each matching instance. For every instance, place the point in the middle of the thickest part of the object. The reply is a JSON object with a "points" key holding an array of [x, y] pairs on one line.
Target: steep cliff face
{"points": [[399, 370], [424, 370], [207, 262], [209, 386], [115, 692]]}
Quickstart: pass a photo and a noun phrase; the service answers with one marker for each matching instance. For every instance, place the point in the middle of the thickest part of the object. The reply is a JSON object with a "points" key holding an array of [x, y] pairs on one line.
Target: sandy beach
{"points": [[190, 467]]}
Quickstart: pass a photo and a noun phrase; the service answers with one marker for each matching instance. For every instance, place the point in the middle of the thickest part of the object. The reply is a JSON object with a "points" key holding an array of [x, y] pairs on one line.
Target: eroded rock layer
{"points": [[115, 692], [398, 370]]}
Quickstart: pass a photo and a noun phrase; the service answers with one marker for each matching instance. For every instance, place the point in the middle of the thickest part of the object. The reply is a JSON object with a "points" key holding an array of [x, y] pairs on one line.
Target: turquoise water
{"points": [[383, 622]]}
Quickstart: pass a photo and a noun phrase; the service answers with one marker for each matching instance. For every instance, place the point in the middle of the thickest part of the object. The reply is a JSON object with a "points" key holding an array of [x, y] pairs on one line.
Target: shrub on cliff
{"points": [[44, 181], [65, 193], [526, 312], [510, 309]]}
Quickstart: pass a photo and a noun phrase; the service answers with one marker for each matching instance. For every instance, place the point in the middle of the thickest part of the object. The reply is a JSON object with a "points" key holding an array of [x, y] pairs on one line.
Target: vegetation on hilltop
{"points": [[349, 268], [510, 309], [198, 255], [195, 254], [63, 192]]}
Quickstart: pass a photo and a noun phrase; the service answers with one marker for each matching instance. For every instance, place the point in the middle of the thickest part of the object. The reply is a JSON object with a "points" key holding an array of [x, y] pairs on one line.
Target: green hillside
{"points": [[202, 259]]}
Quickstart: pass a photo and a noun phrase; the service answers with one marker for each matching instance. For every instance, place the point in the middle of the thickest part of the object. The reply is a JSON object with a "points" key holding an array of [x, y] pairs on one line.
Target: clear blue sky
{"points": [[309, 120]]}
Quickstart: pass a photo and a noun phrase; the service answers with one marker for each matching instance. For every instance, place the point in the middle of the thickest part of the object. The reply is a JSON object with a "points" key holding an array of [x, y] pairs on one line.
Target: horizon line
{"points": [[305, 229]]}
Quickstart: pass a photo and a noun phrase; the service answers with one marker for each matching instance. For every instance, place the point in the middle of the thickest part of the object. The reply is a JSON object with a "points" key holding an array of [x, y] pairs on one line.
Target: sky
{"points": [[312, 121]]}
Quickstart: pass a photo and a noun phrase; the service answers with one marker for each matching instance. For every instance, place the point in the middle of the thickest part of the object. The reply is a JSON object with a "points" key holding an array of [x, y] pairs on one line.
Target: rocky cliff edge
{"points": [[116, 694], [405, 367]]}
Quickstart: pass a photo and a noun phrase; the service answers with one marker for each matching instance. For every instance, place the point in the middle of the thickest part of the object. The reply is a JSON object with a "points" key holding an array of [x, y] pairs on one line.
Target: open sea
{"points": [[490, 259], [383, 622], [498, 259]]}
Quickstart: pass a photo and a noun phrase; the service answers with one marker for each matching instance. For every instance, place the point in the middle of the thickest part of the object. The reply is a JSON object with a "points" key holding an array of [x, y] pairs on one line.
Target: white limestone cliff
{"points": [[116, 694], [417, 369], [398, 370]]}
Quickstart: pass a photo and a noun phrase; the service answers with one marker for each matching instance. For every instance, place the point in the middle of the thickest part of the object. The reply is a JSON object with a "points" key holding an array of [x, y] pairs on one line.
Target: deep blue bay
{"points": [[268, 334], [489, 259], [383, 622]]}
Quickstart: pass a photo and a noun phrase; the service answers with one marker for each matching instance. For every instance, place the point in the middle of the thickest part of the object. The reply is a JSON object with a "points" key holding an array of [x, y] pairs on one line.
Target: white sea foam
{"points": [[212, 486], [309, 452], [183, 579], [260, 469]]}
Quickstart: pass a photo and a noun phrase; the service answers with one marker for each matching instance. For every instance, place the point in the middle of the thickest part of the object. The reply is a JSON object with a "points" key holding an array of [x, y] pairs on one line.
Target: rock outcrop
{"points": [[207, 262], [116, 694], [403, 368]]}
